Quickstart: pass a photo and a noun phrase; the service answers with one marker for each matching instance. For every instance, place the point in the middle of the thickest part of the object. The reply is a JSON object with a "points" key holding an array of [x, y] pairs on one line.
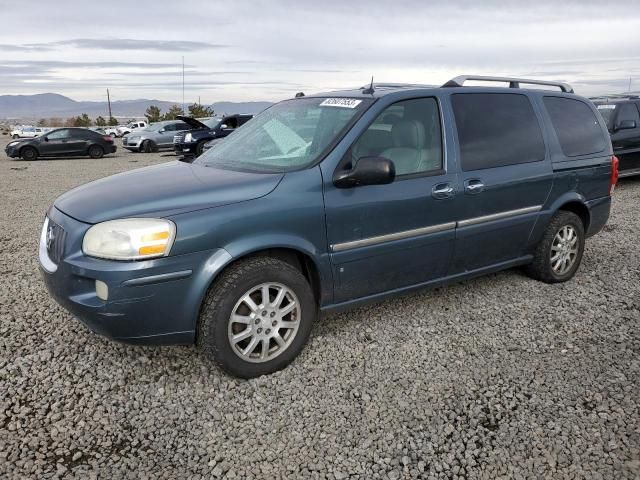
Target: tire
{"points": [[15, 137], [29, 154], [556, 241], [112, 135], [200, 148], [147, 146], [225, 297], [96, 151]]}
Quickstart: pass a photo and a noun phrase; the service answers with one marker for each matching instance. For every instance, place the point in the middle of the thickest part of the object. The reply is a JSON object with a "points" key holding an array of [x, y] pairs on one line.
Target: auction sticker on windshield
{"points": [[341, 102], [606, 107]]}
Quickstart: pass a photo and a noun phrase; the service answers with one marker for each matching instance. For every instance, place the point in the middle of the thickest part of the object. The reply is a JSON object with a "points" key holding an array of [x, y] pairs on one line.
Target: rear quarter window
{"points": [[576, 126], [496, 129]]}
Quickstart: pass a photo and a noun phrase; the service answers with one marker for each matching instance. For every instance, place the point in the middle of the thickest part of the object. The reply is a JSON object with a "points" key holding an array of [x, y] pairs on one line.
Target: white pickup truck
{"points": [[27, 132], [124, 129]]}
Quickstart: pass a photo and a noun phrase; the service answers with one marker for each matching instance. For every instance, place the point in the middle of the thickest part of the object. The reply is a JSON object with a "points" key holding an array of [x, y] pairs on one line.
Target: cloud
{"points": [[121, 44], [257, 50]]}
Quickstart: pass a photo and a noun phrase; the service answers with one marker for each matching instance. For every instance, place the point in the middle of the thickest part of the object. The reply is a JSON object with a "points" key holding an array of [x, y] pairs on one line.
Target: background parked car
{"points": [[62, 142], [191, 143], [129, 127], [111, 131], [27, 132], [623, 121], [155, 137]]}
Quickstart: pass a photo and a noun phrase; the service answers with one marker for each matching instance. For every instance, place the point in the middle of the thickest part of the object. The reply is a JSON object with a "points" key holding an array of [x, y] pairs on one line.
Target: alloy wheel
{"points": [[564, 250], [264, 322]]}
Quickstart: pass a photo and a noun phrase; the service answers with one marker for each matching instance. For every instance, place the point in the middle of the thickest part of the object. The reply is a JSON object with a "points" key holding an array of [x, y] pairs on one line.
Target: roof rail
{"points": [[399, 85], [513, 82]]}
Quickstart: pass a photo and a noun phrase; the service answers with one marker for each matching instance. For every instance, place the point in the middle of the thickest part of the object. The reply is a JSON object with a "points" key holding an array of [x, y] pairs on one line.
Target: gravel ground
{"points": [[499, 377]]}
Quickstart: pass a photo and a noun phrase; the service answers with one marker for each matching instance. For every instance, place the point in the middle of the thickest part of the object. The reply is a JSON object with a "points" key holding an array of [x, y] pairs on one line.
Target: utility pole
{"points": [[629, 85], [109, 103], [183, 111]]}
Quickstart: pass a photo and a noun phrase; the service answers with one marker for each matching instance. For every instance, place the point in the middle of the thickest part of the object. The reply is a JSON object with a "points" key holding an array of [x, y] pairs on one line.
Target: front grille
{"points": [[178, 138], [55, 238]]}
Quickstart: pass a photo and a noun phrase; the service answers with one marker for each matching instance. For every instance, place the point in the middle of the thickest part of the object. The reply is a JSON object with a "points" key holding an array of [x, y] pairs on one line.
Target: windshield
{"points": [[607, 112], [288, 136], [154, 127], [211, 122]]}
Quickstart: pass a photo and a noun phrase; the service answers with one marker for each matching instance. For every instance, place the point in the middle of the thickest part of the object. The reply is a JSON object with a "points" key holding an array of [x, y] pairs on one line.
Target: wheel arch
{"points": [[22, 148], [575, 203], [296, 252]]}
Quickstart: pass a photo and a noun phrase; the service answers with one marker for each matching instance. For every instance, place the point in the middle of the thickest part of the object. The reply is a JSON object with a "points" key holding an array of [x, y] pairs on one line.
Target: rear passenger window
{"points": [[407, 133], [576, 126], [496, 129], [628, 111]]}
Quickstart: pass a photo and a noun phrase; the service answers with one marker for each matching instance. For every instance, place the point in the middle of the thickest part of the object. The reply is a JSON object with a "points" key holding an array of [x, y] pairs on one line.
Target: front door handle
{"points": [[442, 190], [473, 186]]}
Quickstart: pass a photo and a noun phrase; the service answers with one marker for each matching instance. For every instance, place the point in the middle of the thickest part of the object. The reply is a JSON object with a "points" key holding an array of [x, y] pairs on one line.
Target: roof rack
{"points": [[513, 82]]}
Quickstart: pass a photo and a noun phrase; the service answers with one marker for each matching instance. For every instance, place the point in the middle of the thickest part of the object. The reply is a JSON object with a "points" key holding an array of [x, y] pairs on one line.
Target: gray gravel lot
{"points": [[499, 377]]}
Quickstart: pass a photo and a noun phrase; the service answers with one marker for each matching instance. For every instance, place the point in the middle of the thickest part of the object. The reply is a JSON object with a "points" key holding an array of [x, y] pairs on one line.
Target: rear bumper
{"points": [[149, 302], [599, 210]]}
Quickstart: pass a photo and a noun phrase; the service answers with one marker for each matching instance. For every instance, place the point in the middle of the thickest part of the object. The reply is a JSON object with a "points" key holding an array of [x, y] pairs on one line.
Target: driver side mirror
{"points": [[46, 139], [626, 125], [224, 126], [162, 130], [367, 171]]}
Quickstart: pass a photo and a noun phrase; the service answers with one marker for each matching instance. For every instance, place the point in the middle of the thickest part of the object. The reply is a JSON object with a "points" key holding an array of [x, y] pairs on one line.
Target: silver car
{"points": [[156, 136]]}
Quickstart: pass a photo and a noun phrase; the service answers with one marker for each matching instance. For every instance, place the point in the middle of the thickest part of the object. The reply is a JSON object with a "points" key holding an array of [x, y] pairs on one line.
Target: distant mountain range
{"points": [[48, 105]]}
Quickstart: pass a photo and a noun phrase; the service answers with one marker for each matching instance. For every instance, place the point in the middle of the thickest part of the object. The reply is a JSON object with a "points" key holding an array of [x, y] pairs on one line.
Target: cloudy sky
{"points": [[268, 50]]}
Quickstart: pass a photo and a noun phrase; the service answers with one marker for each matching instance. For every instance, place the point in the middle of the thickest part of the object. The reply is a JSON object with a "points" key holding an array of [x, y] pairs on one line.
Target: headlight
{"points": [[130, 239], [188, 138], [11, 144], [133, 138]]}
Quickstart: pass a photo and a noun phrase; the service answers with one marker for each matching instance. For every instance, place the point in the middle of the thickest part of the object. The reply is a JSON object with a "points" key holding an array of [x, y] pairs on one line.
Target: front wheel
{"points": [[29, 153], [257, 317], [559, 253], [200, 148]]}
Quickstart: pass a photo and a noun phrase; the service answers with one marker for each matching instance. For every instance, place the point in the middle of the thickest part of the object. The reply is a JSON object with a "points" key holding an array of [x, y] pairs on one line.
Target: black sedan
{"points": [[63, 142]]}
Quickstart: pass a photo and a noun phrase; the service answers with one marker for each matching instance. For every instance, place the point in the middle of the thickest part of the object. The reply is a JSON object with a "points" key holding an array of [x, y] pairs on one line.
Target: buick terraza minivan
{"points": [[328, 201]]}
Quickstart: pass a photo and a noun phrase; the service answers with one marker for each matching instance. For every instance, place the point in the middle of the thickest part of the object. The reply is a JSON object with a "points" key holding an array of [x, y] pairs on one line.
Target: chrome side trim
{"points": [[45, 261], [366, 242], [165, 277], [499, 216]]}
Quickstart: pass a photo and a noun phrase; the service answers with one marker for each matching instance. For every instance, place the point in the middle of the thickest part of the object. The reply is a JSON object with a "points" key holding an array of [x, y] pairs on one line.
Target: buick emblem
{"points": [[50, 237]]}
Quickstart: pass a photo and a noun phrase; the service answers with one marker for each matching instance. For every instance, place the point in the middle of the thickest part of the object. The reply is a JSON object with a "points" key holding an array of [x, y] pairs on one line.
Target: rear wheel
{"points": [[559, 253], [16, 136], [96, 151], [257, 317], [29, 153]]}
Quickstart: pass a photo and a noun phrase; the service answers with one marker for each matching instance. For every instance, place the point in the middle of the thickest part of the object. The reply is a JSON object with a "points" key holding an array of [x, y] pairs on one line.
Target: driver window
{"points": [[407, 133]]}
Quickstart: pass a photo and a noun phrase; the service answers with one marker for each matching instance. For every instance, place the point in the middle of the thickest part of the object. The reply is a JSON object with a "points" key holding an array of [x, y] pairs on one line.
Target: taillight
{"points": [[107, 138], [614, 174]]}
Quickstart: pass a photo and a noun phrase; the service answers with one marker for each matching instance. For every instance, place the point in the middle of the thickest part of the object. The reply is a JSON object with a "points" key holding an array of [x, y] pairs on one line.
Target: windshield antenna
{"points": [[370, 90]]}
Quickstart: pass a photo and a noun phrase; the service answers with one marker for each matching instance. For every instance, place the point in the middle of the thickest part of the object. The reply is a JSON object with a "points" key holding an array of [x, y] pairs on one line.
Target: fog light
{"points": [[102, 291]]}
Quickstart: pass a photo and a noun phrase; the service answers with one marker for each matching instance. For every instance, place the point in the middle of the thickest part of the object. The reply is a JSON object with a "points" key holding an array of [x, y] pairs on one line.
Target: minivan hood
{"points": [[163, 190]]}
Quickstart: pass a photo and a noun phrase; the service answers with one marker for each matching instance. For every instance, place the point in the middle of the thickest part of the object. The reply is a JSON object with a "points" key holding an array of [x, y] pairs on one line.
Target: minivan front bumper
{"points": [[149, 302]]}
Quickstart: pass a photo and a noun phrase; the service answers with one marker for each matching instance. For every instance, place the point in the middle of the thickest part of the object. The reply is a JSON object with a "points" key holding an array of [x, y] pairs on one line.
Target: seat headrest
{"points": [[409, 134]]}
